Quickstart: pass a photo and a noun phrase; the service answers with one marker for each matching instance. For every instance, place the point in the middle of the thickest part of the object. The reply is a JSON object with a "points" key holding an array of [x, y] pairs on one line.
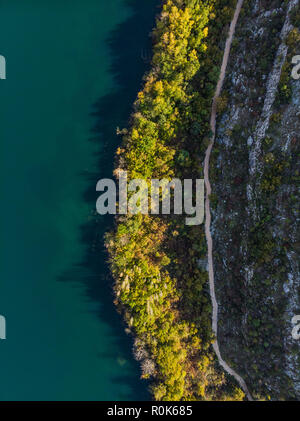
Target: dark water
{"points": [[73, 70]]}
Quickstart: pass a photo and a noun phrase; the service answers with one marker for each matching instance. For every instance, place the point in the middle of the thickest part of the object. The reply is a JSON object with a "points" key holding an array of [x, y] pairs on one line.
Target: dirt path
{"points": [[207, 203]]}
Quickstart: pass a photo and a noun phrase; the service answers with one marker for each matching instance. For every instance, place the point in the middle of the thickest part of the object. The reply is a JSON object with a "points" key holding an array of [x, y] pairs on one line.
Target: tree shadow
{"points": [[130, 47]]}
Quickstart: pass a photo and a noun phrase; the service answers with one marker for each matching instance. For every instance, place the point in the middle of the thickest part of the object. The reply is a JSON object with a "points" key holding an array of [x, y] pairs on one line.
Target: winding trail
{"points": [[226, 367]]}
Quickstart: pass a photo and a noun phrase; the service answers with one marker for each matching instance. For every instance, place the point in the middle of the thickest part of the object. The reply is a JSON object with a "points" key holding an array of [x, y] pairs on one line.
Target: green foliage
{"points": [[295, 16], [159, 287], [284, 88]]}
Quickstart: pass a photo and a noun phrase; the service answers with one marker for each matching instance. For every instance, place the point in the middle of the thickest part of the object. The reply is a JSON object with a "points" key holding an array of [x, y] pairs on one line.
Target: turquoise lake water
{"points": [[73, 70]]}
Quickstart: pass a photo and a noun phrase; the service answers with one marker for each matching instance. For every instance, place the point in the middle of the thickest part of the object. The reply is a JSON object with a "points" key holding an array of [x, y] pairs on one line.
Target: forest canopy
{"points": [[160, 287]]}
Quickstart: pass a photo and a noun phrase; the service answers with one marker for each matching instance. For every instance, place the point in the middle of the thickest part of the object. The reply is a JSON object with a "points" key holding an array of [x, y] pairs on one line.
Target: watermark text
{"points": [[2, 327], [296, 68], [2, 67], [152, 196]]}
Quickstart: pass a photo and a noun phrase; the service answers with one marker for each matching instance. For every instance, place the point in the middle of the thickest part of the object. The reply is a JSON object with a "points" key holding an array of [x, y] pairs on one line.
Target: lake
{"points": [[73, 71]]}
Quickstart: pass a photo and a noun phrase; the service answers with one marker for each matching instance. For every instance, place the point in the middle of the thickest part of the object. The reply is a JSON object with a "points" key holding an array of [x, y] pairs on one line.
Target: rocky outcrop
{"points": [[254, 183]]}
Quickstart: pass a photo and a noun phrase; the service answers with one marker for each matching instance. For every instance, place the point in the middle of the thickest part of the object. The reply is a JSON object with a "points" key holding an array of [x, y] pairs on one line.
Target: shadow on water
{"points": [[130, 48]]}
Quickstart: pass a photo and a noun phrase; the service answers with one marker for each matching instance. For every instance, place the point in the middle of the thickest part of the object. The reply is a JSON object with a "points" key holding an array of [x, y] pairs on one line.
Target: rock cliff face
{"points": [[255, 176]]}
